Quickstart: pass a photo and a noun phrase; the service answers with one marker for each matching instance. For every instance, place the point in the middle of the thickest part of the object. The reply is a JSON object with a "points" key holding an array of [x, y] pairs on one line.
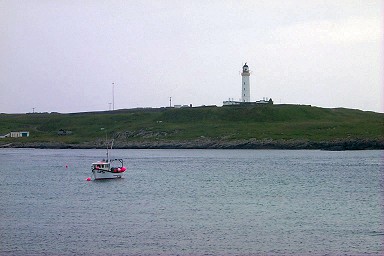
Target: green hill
{"points": [[257, 126]]}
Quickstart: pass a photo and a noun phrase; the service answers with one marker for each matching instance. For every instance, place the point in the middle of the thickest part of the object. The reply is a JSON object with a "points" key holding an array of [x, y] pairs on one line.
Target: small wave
{"points": [[376, 233]]}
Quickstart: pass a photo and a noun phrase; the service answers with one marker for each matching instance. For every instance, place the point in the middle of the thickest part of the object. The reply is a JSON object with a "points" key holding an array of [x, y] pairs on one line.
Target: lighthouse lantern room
{"points": [[245, 88]]}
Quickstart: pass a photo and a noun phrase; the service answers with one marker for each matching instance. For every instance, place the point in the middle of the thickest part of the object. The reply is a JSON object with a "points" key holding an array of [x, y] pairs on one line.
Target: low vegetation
{"points": [[228, 125]]}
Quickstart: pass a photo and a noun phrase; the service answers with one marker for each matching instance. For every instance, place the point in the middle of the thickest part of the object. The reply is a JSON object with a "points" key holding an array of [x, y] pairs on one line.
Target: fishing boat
{"points": [[108, 168]]}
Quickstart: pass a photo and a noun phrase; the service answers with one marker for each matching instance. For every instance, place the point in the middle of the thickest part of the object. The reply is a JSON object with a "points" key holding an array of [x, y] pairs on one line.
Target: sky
{"points": [[75, 56]]}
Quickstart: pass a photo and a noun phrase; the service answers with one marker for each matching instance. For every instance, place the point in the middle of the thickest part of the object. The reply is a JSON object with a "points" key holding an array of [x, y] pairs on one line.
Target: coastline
{"points": [[334, 145]]}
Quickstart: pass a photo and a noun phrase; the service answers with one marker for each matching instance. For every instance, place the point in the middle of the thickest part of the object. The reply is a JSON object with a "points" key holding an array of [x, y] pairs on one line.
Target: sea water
{"points": [[192, 202]]}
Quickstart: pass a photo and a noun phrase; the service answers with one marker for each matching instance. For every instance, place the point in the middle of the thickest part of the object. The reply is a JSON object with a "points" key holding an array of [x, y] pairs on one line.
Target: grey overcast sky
{"points": [[64, 55]]}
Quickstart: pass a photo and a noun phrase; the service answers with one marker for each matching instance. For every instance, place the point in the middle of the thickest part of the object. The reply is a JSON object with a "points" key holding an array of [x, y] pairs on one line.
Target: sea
{"points": [[192, 202]]}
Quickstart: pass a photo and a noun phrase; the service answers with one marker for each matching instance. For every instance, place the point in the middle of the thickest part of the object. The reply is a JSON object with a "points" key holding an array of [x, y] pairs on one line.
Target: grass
{"points": [[272, 122]]}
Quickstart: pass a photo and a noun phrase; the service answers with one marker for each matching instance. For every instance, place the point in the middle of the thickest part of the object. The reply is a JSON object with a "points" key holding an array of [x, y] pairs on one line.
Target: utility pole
{"points": [[113, 96], [170, 102]]}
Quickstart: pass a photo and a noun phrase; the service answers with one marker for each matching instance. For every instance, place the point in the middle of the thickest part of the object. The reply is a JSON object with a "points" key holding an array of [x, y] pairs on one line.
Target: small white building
{"points": [[231, 102], [19, 134]]}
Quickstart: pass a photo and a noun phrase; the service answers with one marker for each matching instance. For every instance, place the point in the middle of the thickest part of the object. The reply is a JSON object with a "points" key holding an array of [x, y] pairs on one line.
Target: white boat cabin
{"points": [[101, 165]]}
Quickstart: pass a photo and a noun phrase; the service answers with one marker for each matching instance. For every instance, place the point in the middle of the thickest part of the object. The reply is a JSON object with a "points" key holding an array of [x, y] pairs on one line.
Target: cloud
{"points": [[300, 51], [346, 31]]}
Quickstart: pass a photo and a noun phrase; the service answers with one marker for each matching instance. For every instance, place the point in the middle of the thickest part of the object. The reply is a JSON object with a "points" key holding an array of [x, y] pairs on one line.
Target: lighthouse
{"points": [[246, 92], [245, 88]]}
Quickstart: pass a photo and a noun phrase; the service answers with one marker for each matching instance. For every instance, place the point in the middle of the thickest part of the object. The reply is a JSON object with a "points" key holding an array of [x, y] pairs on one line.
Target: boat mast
{"points": [[106, 143], [108, 151]]}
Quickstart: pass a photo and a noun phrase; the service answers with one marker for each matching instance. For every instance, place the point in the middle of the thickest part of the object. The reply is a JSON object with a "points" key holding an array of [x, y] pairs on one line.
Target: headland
{"points": [[264, 126]]}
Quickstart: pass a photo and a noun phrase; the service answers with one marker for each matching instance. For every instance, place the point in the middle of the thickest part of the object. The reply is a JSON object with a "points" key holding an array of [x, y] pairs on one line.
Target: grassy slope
{"points": [[276, 122]]}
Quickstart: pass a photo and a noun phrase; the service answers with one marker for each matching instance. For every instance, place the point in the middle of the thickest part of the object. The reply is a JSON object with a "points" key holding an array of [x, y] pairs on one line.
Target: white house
{"points": [[19, 134]]}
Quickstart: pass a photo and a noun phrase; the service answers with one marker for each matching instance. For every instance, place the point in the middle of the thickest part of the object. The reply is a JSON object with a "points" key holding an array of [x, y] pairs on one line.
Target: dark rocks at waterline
{"points": [[336, 145]]}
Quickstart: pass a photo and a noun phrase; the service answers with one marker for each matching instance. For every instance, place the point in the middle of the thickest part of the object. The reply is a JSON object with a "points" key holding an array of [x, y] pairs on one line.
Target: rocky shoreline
{"points": [[336, 145]]}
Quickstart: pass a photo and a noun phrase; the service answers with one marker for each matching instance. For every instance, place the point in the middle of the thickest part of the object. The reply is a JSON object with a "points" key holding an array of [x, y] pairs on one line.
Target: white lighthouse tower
{"points": [[245, 88]]}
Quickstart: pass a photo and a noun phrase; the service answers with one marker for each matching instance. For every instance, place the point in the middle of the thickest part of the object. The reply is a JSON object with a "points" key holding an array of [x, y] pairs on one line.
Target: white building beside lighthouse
{"points": [[245, 87]]}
